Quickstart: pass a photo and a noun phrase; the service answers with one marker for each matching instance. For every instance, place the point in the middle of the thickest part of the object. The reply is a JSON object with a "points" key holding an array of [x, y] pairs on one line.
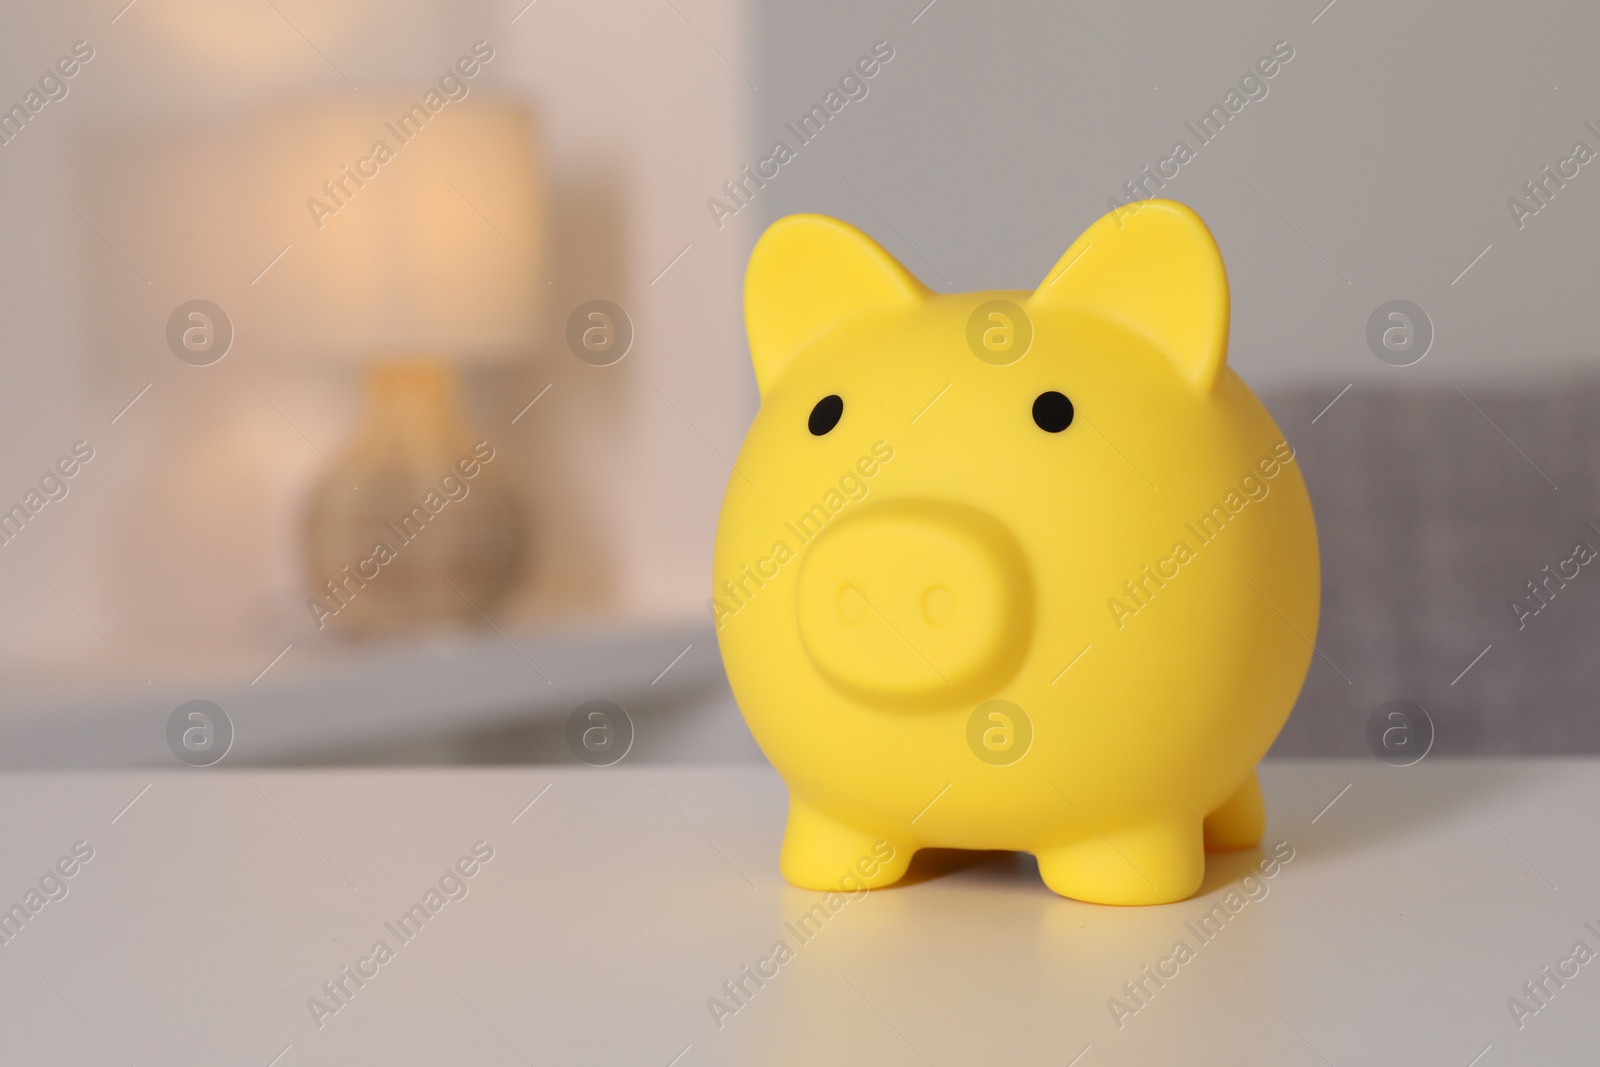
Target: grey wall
{"points": [[1391, 143]]}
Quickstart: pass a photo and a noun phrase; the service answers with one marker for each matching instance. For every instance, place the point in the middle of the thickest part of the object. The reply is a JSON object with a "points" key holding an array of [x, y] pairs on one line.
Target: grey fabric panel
{"points": [[1431, 521]]}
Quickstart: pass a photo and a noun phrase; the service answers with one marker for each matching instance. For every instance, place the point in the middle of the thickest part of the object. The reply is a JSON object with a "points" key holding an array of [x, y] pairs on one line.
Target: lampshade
{"points": [[408, 230]]}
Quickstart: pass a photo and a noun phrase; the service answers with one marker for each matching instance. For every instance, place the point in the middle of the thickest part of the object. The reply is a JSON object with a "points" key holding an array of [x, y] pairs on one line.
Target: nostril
{"points": [[938, 605], [852, 606]]}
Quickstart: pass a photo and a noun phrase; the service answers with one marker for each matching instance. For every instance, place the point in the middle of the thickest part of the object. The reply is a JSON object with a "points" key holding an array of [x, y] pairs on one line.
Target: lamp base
{"points": [[419, 525]]}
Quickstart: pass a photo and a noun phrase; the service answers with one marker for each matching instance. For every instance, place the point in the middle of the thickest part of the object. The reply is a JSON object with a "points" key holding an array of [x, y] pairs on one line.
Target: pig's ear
{"points": [[809, 274], [1153, 268]]}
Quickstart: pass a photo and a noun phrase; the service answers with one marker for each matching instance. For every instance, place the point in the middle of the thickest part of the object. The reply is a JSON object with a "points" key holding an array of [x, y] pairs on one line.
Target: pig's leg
{"points": [[818, 852], [1153, 863], [1241, 820]]}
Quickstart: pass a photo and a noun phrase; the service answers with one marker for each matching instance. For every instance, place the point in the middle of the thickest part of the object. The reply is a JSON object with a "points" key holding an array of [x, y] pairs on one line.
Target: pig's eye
{"points": [[1052, 412], [825, 416]]}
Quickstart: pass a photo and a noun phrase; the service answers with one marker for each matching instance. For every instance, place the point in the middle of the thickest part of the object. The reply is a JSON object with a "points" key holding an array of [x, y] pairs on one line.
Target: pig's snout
{"points": [[915, 603]]}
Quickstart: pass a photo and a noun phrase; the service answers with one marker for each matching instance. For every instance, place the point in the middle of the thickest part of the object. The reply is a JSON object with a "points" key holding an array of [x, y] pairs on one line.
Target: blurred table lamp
{"points": [[413, 255]]}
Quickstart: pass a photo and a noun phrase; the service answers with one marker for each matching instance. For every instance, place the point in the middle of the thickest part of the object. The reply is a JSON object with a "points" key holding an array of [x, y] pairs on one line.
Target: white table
{"points": [[618, 904]]}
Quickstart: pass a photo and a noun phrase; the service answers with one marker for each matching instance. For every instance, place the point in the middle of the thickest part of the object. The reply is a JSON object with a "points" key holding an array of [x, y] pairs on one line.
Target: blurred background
{"points": [[280, 280]]}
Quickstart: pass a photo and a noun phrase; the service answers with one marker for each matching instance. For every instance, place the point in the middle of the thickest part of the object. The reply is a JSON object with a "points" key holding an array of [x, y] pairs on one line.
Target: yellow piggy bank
{"points": [[1006, 570]]}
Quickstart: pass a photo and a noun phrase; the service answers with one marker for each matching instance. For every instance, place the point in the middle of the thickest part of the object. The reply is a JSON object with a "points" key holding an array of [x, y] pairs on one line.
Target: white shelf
{"points": [[360, 695]]}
